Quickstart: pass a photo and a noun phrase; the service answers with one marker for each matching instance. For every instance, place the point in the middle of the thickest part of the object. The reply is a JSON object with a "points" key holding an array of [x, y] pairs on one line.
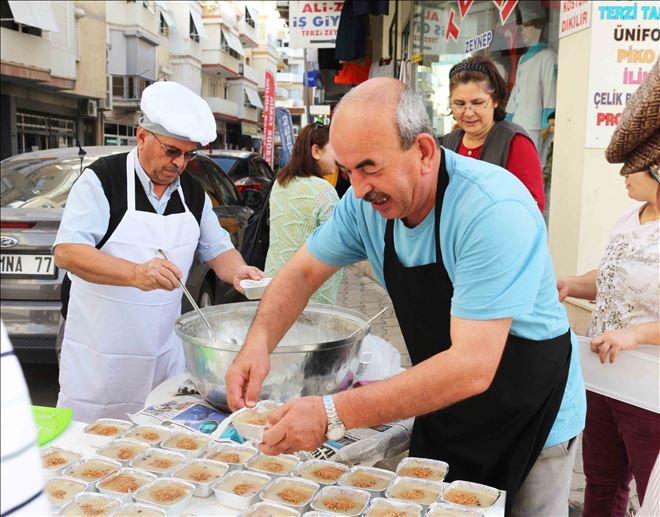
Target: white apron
{"points": [[119, 342]]}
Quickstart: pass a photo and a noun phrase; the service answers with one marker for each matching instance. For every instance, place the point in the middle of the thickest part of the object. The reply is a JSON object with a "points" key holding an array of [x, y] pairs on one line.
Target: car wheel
{"points": [[206, 294]]}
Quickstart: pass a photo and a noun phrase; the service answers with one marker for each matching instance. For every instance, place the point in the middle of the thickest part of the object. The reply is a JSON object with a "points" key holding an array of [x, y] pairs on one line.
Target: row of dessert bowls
{"points": [[133, 462]]}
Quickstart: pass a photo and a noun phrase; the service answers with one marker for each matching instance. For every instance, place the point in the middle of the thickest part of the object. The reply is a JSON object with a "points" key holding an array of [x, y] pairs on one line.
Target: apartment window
{"points": [[8, 22], [224, 45], [248, 18], [118, 134], [128, 87], [194, 35], [164, 29]]}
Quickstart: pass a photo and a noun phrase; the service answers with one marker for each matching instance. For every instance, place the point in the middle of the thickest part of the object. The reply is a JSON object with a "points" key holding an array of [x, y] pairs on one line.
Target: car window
{"points": [[198, 171], [223, 184], [225, 163], [39, 183], [265, 170]]}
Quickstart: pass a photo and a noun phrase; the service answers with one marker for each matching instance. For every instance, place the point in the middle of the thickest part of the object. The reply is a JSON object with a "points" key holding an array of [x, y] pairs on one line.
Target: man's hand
{"points": [[612, 343], [246, 272], [298, 425], [246, 375], [156, 273]]}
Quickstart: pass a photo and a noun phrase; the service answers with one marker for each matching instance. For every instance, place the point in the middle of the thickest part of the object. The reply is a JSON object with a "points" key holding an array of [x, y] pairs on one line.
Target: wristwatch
{"points": [[336, 429]]}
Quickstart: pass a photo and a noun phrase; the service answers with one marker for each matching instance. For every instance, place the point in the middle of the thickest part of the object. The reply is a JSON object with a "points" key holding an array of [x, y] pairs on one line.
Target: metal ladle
{"points": [[368, 322], [192, 301]]}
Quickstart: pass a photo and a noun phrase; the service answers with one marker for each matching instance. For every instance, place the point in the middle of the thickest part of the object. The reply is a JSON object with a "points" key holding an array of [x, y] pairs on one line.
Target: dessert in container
{"points": [[61, 489], [324, 472], [240, 489], [91, 469], [188, 443], [86, 503], [371, 479], [150, 434], [55, 460], [281, 465], [291, 491], [236, 456], [105, 430], [472, 495], [254, 289], [168, 494], [158, 461], [341, 499], [423, 468], [413, 490], [382, 507], [250, 423], [441, 509], [269, 509], [202, 474], [316, 513], [138, 510], [123, 483], [122, 450]]}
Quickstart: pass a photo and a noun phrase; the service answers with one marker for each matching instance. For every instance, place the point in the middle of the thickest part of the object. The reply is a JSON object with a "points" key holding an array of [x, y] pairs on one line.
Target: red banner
{"points": [[268, 137]]}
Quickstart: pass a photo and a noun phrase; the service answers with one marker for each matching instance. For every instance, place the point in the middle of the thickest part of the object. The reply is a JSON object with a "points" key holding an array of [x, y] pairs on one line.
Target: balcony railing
{"points": [[288, 77], [222, 106], [249, 73], [127, 89]]}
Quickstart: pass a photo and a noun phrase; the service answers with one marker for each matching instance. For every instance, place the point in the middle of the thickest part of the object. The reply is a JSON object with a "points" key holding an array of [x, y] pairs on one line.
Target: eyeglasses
{"points": [[174, 152], [477, 106]]}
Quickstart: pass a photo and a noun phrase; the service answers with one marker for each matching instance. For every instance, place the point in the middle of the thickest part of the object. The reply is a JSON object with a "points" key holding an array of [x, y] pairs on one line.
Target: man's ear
{"points": [[141, 135], [428, 149]]}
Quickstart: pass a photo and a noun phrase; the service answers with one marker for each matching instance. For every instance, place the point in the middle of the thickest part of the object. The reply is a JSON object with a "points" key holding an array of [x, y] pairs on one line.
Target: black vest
{"points": [[496, 147], [111, 172]]}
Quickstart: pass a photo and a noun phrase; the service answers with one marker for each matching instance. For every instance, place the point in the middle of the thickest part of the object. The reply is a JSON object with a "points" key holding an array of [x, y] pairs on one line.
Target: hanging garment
{"points": [[119, 342]]}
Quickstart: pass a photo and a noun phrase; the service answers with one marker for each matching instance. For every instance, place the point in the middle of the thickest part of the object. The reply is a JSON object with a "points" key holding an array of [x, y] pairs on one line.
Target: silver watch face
{"points": [[336, 432]]}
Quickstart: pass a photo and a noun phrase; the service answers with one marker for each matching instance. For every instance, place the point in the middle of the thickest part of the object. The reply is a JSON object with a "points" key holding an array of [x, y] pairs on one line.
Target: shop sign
{"points": [[427, 33], [248, 129], [479, 42], [624, 47], [574, 16], [314, 24], [268, 147]]}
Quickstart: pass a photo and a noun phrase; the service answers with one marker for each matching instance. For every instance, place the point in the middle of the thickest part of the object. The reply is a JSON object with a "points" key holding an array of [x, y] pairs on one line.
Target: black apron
{"points": [[495, 437]]}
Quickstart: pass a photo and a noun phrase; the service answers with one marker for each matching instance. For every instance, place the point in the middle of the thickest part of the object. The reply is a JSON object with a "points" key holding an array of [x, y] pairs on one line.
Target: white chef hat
{"points": [[171, 109], [530, 11]]}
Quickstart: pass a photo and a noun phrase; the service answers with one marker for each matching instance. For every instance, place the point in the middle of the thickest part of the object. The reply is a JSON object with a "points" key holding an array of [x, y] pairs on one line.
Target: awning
{"points": [[167, 16], [253, 98], [254, 14], [233, 42], [199, 25], [34, 14]]}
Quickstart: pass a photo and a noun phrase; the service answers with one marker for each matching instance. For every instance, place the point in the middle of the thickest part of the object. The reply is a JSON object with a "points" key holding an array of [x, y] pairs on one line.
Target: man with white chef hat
{"points": [[119, 341]]}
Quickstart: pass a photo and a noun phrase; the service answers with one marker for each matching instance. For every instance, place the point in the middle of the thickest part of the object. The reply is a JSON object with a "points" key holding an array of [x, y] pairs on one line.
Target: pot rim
{"points": [[358, 317]]}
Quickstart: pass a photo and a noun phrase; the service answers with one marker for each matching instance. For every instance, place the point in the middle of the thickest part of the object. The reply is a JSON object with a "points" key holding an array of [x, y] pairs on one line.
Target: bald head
{"points": [[391, 101]]}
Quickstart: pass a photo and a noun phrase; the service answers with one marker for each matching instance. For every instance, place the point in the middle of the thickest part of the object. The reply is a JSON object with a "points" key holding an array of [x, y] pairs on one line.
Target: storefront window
{"points": [[38, 131], [442, 36], [118, 134]]}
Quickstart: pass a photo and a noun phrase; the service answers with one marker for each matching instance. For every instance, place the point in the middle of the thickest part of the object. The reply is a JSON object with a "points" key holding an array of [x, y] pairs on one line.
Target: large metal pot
{"points": [[315, 357]]}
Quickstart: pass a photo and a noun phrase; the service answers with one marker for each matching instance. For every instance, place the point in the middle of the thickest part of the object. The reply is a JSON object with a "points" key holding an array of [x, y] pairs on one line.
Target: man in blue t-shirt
{"points": [[460, 246]]}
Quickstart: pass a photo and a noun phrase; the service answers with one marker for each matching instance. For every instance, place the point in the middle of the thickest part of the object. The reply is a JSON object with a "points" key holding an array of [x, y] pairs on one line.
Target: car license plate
{"points": [[27, 265]]}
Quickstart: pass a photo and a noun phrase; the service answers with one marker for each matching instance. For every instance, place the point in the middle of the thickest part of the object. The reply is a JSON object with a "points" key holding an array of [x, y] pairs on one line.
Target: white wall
{"points": [[588, 194]]}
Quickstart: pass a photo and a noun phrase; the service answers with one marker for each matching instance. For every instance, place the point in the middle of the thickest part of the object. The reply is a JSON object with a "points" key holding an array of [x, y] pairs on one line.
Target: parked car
{"points": [[34, 189], [247, 170]]}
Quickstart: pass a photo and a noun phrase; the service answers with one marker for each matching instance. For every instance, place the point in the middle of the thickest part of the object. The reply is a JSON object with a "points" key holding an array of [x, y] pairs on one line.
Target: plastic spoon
{"points": [[192, 301]]}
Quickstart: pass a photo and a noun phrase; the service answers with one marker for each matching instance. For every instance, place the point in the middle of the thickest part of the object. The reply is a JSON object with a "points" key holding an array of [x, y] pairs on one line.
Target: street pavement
{"points": [[360, 292]]}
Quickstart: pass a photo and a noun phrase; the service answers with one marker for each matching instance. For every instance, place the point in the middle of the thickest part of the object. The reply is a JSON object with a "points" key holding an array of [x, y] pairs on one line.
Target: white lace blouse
{"points": [[628, 282]]}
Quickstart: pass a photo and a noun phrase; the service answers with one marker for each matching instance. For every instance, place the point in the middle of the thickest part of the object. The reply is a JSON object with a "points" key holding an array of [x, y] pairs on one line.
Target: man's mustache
{"points": [[376, 196]]}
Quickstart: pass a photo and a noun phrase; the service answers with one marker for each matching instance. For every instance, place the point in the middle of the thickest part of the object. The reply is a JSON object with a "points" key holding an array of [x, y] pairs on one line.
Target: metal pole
{"points": [[305, 83]]}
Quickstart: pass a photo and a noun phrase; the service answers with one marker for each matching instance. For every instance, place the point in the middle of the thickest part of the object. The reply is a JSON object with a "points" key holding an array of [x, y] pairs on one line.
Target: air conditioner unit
{"points": [[89, 108]]}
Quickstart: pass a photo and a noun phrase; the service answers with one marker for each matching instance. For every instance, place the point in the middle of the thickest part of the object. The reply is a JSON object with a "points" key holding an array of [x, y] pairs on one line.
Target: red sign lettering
{"points": [[453, 30]]}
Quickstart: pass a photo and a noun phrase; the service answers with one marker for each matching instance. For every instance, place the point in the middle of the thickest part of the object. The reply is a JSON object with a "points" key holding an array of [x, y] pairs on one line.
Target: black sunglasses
{"points": [[174, 152]]}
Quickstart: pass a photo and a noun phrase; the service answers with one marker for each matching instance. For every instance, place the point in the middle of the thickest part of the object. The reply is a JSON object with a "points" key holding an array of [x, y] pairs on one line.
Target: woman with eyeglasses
{"points": [[301, 200], [622, 436], [477, 98]]}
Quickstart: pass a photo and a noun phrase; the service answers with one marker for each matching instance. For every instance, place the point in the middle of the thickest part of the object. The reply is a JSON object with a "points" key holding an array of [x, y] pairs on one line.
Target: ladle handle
{"points": [[368, 322], [191, 300]]}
